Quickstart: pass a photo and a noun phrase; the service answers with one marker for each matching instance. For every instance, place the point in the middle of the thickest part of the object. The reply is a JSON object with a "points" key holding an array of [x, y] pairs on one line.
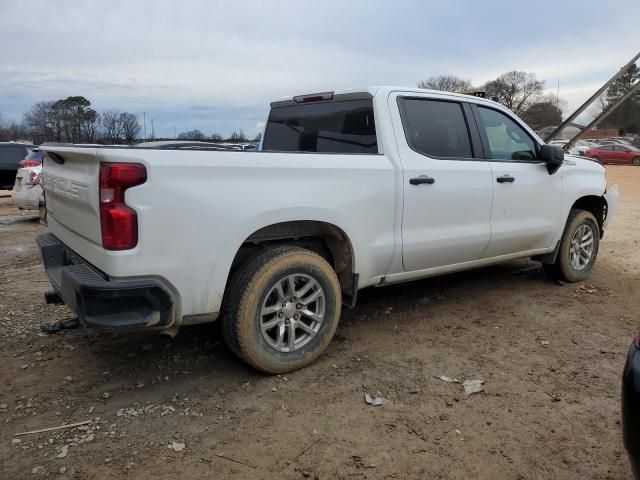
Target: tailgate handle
{"points": [[56, 158]]}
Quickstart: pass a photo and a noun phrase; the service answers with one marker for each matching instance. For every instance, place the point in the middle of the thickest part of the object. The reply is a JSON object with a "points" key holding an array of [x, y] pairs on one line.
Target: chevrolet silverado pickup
{"points": [[349, 190]]}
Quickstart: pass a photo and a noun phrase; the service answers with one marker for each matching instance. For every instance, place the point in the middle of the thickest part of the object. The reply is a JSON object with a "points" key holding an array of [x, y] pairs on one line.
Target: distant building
{"points": [[574, 129]]}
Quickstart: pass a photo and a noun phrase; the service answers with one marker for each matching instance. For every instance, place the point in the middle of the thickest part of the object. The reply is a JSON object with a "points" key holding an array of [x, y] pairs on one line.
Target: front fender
{"points": [[612, 196]]}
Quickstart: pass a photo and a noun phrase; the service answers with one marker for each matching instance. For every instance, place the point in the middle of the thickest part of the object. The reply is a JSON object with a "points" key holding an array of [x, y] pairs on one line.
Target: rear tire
{"points": [[578, 248], [281, 309]]}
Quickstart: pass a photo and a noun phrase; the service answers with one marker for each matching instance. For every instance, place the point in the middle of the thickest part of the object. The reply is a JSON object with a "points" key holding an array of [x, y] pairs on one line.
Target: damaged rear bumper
{"points": [[100, 301]]}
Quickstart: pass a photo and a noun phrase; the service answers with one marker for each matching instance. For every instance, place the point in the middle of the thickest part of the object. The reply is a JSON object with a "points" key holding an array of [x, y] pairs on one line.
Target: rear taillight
{"points": [[33, 178], [119, 222], [29, 163]]}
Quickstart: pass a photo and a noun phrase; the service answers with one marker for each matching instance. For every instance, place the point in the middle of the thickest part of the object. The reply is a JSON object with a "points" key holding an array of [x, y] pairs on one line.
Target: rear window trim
{"points": [[475, 155]]}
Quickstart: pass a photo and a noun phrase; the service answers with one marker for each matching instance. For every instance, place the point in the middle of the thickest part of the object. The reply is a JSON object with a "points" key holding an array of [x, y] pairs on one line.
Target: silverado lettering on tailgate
{"points": [[64, 186]]}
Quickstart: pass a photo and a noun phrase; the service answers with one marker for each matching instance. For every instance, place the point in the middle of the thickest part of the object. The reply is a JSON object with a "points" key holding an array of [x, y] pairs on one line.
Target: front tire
{"points": [[636, 161], [281, 309], [578, 248]]}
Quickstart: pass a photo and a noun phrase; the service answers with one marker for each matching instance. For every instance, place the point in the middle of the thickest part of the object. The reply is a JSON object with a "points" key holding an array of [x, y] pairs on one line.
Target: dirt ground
{"points": [[551, 357]]}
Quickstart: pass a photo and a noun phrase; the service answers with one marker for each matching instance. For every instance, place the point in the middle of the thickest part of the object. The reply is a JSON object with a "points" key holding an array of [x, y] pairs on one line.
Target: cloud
{"points": [[217, 65]]}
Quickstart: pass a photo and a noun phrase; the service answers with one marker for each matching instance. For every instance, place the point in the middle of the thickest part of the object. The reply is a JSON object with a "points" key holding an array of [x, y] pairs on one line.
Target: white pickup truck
{"points": [[351, 189]]}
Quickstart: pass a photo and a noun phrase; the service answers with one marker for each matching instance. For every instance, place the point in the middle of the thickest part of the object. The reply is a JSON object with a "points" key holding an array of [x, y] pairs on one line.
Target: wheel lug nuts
{"points": [[280, 315], [299, 306], [296, 316]]}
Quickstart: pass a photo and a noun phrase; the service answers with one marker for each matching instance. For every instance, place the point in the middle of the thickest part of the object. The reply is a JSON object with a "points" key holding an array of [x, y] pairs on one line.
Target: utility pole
{"points": [[144, 121], [153, 132], [175, 136]]}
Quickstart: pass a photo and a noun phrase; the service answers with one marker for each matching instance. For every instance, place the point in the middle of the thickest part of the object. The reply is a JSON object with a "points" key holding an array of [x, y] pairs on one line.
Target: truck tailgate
{"points": [[71, 183]]}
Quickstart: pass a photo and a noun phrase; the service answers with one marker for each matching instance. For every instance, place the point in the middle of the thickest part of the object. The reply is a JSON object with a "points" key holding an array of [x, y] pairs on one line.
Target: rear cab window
{"points": [[346, 126]]}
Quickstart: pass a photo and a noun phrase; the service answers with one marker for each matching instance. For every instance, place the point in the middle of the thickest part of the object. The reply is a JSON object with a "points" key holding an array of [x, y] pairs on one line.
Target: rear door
{"points": [[527, 200], [447, 188]]}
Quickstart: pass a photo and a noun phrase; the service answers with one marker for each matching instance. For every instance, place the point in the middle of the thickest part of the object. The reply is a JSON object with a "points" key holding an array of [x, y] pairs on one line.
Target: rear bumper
{"points": [[28, 198], [99, 301], [631, 407]]}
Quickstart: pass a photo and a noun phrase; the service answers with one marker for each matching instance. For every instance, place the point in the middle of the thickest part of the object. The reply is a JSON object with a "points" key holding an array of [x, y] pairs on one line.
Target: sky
{"points": [[215, 65]]}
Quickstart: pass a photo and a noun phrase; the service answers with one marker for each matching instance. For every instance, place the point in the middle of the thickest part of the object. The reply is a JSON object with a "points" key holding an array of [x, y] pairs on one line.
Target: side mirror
{"points": [[552, 156]]}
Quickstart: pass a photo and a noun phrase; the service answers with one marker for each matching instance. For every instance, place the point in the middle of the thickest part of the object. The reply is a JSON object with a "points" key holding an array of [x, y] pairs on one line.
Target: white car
{"points": [[580, 147], [27, 193], [351, 189]]}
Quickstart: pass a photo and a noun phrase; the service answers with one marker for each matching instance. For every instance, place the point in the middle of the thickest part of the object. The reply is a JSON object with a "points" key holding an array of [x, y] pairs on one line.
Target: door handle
{"points": [[505, 179], [422, 179]]}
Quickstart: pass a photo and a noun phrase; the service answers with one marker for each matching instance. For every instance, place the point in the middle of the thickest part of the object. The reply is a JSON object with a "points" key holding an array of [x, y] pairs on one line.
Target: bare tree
{"points": [[112, 131], [446, 83], [11, 130], [545, 111], [72, 120], [216, 137], [130, 127], [4, 129], [238, 137], [515, 90], [195, 135], [67, 120], [44, 122], [597, 107], [89, 126]]}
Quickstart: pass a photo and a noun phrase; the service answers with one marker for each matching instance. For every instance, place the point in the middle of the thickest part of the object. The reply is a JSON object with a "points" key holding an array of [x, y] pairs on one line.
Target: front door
{"points": [[527, 200], [447, 187]]}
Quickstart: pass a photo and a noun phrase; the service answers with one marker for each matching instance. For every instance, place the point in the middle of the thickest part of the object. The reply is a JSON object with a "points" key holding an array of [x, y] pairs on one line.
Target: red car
{"points": [[618, 154]]}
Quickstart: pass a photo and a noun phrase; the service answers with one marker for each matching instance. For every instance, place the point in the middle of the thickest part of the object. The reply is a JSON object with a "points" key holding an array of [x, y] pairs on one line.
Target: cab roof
{"points": [[370, 92]]}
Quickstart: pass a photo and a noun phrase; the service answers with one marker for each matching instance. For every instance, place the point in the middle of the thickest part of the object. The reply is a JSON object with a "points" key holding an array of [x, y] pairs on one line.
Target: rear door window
{"points": [[324, 127], [435, 128]]}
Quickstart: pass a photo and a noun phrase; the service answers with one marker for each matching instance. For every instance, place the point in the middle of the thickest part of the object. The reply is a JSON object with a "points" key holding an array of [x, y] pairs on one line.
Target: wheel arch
{"points": [[597, 205], [324, 238]]}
